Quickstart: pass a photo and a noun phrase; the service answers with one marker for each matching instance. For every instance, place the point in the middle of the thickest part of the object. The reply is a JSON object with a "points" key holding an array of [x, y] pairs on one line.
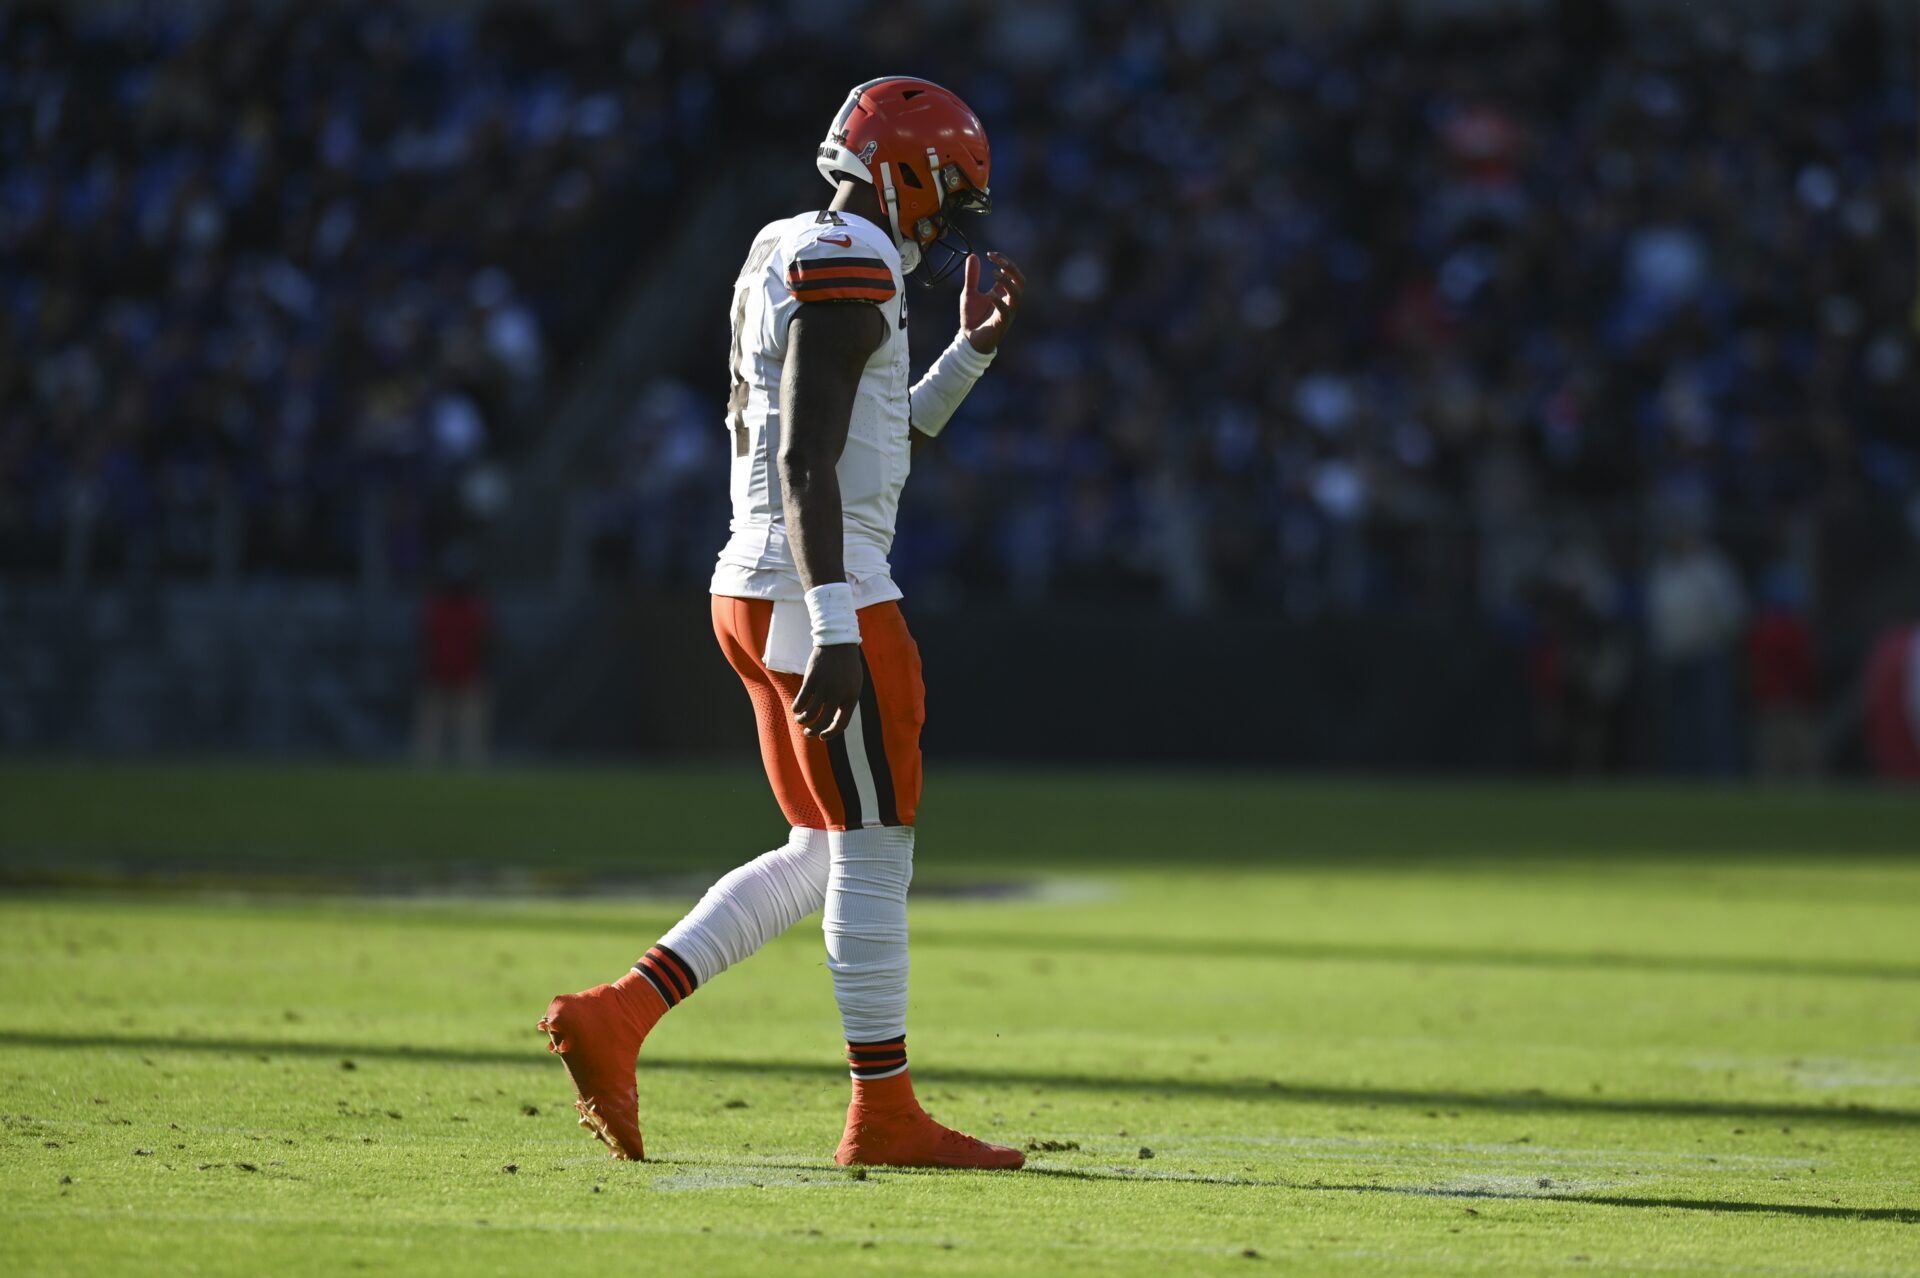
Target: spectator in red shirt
{"points": [[1893, 703], [1784, 684], [453, 711]]}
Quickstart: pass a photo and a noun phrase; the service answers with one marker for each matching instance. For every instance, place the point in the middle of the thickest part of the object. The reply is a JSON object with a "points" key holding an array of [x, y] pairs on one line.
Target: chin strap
{"points": [[909, 249]]}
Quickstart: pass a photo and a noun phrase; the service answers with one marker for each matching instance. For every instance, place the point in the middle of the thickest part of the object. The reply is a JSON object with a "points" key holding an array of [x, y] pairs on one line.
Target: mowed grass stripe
{"points": [[647, 916], [315, 819]]}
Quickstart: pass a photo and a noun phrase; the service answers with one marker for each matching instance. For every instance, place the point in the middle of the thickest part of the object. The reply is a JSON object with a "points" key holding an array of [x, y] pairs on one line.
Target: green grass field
{"points": [[262, 1020]]}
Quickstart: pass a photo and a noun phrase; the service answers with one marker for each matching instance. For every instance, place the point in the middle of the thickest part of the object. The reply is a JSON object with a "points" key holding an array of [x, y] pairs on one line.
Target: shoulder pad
{"points": [[830, 262]]}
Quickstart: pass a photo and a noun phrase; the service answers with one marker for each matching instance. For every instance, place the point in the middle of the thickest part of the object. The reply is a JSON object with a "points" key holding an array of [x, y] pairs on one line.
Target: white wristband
{"points": [[830, 611]]}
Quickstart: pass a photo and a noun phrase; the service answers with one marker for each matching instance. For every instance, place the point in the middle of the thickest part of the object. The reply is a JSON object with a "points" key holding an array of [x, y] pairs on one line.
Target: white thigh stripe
{"points": [[863, 784]]}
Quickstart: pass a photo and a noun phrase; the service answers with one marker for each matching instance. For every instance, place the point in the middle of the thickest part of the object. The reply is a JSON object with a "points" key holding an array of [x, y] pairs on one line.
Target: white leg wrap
{"points": [[753, 904], [866, 929]]}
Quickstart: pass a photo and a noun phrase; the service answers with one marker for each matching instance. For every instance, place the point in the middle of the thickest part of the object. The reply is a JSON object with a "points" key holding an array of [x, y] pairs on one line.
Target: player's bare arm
{"points": [[827, 350]]}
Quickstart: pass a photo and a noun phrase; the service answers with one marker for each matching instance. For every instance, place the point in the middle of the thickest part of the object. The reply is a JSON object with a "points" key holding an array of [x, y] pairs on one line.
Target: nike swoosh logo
{"points": [[844, 241]]}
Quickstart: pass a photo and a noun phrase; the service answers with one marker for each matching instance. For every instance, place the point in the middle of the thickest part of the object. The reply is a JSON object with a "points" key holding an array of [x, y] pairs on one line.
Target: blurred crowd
{"points": [[1334, 306], [280, 281], [1388, 280], [1595, 319], [1339, 307]]}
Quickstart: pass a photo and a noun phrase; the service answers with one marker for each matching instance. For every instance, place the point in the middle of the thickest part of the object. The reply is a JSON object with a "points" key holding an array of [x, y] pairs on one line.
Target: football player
{"points": [[823, 424]]}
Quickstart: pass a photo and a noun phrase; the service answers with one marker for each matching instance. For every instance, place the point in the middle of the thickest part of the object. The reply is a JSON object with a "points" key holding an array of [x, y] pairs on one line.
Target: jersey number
{"points": [[737, 396]]}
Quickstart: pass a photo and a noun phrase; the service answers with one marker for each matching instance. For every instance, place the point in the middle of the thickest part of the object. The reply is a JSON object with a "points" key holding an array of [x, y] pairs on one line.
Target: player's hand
{"points": [[831, 691], [986, 316]]}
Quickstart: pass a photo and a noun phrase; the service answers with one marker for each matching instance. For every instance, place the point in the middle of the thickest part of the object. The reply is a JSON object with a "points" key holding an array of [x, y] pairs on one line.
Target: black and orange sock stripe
{"points": [[668, 973], [877, 1060]]}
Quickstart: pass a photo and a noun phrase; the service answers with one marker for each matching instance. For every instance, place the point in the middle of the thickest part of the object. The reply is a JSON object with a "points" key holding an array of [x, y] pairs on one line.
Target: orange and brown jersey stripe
{"points": [[668, 973], [835, 279], [877, 1060]]}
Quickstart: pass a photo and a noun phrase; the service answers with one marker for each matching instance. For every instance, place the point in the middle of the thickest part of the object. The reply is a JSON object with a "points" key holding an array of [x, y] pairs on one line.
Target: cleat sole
{"points": [[578, 1032]]}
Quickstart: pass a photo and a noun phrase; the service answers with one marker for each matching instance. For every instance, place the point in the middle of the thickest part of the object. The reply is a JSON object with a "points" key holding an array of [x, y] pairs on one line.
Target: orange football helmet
{"points": [[923, 150]]}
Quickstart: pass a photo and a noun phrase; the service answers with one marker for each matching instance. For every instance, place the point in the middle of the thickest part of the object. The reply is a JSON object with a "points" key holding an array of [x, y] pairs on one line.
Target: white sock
{"points": [[753, 904], [866, 928]]}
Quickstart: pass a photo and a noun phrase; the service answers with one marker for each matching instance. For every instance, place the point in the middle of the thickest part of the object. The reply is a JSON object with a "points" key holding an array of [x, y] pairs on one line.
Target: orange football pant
{"points": [[870, 774]]}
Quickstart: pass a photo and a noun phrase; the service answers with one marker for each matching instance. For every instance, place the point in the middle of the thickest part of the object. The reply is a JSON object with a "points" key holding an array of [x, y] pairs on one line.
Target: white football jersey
{"points": [[815, 257]]}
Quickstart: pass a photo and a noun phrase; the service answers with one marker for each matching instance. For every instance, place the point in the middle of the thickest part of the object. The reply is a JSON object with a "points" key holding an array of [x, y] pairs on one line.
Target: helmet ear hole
{"points": [[908, 176]]}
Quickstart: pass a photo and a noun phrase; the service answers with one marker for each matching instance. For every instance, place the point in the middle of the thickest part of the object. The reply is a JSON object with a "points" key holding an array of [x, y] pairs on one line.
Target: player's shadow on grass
{"points": [[1897, 1215], [1243, 1089], [1449, 955]]}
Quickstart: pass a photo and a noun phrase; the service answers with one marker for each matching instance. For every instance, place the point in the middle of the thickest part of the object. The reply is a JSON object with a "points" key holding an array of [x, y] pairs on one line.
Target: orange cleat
{"points": [[597, 1034], [887, 1128]]}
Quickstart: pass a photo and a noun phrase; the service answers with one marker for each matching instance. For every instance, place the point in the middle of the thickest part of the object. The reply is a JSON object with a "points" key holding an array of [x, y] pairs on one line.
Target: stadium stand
{"points": [[1338, 311]]}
